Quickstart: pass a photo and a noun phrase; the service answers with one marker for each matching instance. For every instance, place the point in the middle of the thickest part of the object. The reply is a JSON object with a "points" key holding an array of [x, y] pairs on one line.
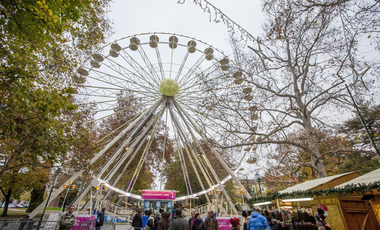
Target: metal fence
{"points": [[27, 224], [87, 225]]}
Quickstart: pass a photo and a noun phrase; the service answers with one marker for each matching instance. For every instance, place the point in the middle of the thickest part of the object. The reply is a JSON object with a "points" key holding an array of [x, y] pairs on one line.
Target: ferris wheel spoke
{"points": [[124, 109], [190, 155], [208, 82], [192, 103], [190, 93], [106, 91], [176, 132], [159, 59], [181, 66], [149, 65], [138, 68], [192, 69], [206, 71], [128, 75], [107, 78], [94, 102], [195, 151], [211, 120], [118, 128]]}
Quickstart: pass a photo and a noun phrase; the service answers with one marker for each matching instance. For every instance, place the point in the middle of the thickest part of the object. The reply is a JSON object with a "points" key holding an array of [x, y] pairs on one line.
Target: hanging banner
{"points": [[158, 195], [224, 223], [81, 218]]}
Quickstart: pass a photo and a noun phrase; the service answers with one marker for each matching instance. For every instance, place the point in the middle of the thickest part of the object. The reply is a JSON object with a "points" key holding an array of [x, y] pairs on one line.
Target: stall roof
{"points": [[371, 177], [312, 184]]}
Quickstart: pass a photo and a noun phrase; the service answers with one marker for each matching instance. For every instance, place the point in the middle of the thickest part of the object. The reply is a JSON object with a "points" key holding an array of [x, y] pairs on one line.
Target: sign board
{"points": [[158, 195], [224, 223], [82, 218]]}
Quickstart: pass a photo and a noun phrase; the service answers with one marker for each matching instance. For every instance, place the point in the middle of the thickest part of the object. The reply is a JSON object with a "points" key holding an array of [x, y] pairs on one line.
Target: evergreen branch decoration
{"points": [[346, 190], [216, 15]]}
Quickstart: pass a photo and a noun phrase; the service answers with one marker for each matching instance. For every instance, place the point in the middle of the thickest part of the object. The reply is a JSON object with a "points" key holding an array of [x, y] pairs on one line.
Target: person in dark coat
{"points": [[245, 223], [67, 221], [197, 223], [100, 219], [137, 220], [164, 224], [211, 223], [272, 223], [157, 219], [179, 223], [191, 219]]}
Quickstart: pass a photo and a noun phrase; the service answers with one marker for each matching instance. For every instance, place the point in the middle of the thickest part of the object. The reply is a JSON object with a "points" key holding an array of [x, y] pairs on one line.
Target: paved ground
{"points": [[123, 227]]}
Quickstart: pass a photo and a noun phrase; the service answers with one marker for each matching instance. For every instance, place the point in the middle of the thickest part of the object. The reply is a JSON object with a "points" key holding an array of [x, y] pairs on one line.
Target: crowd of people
{"points": [[163, 222]]}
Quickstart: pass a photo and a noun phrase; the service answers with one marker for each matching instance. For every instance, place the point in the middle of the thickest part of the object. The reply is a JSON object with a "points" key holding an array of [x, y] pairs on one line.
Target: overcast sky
{"points": [[133, 17]]}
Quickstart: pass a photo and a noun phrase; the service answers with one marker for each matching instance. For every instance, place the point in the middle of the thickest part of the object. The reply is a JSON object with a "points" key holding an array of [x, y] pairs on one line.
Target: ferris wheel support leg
{"points": [[213, 171], [139, 141], [182, 136], [116, 154], [219, 158], [128, 163]]}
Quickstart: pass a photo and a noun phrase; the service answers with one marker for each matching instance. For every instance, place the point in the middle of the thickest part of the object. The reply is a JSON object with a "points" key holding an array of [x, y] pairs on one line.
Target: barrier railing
{"points": [[28, 225], [87, 225]]}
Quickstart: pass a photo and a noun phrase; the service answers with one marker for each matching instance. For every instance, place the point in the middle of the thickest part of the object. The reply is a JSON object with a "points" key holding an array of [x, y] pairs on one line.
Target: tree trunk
{"points": [[315, 159], [7, 198], [36, 198]]}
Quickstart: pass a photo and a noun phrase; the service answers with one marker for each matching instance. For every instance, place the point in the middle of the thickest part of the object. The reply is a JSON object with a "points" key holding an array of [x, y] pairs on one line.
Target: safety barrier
{"points": [[25, 224], [28, 224], [87, 225]]}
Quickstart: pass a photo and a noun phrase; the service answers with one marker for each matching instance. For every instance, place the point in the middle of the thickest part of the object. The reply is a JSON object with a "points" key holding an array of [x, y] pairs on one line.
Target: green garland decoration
{"points": [[346, 190]]}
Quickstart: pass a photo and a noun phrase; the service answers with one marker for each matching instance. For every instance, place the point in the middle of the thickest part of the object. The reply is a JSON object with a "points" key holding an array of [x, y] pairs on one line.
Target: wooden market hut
{"points": [[358, 211], [334, 218]]}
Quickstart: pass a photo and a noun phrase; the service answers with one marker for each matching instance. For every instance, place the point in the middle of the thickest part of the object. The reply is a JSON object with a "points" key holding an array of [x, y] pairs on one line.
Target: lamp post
{"points": [[67, 191], [101, 187], [259, 180], [47, 201]]}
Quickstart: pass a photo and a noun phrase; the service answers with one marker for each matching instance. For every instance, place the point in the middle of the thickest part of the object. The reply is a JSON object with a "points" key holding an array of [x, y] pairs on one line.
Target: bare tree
{"points": [[298, 70]]}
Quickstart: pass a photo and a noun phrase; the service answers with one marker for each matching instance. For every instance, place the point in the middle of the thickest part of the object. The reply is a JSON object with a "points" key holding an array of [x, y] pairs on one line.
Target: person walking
{"points": [[235, 223], [245, 223], [67, 221], [191, 219], [150, 223], [137, 220], [179, 223], [157, 219], [257, 222], [164, 224], [198, 224], [210, 222], [100, 220]]}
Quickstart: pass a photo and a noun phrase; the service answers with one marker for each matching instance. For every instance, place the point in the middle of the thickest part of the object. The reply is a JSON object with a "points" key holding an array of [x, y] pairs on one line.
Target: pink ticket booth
{"points": [[157, 201]]}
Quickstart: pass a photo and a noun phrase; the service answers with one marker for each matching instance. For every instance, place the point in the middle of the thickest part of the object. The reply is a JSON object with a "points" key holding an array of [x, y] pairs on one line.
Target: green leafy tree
{"points": [[364, 159], [21, 179], [41, 44]]}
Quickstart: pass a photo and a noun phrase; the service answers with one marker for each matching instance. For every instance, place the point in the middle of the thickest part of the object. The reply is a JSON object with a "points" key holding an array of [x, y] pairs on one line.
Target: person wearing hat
{"points": [[197, 223], [235, 223], [320, 217]]}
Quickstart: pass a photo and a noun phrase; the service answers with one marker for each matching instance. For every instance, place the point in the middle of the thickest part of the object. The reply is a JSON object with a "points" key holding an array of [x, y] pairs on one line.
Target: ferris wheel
{"points": [[191, 86]]}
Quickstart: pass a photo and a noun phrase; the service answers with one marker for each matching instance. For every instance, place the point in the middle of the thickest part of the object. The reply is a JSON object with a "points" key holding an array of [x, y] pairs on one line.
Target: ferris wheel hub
{"points": [[168, 87]]}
